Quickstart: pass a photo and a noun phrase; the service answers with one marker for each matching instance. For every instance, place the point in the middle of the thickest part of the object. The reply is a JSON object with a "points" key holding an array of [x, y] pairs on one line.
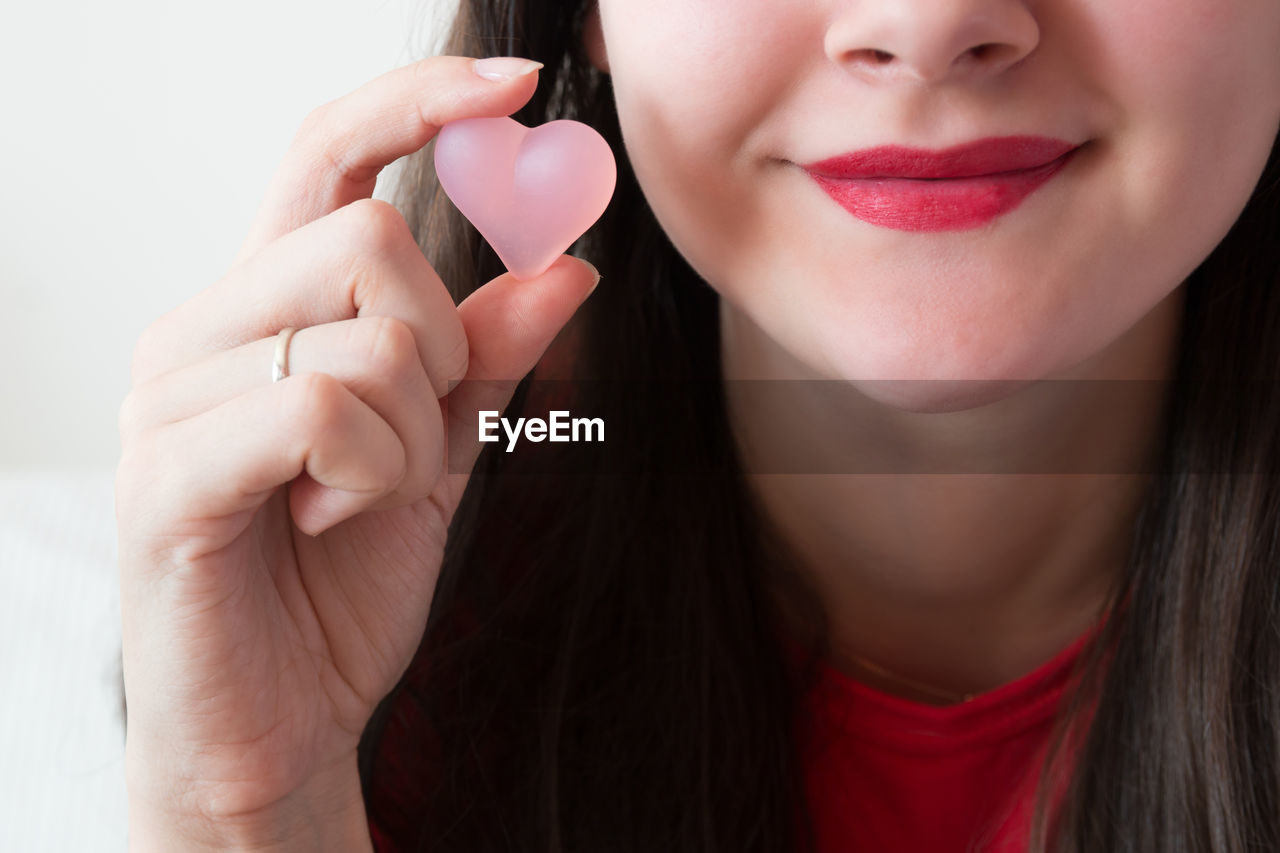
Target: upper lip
{"points": [[988, 156]]}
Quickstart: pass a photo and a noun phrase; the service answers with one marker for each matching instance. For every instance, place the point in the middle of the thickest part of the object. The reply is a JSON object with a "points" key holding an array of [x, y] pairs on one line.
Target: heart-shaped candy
{"points": [[531, 192]]}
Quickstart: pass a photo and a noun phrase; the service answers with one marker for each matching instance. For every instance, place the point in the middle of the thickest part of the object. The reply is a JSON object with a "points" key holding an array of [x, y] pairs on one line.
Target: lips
{"points": [[916, 189]]}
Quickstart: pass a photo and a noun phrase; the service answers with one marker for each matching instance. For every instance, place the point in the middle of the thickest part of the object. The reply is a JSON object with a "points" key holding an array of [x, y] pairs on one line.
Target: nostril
{"points": [[881, 56]]}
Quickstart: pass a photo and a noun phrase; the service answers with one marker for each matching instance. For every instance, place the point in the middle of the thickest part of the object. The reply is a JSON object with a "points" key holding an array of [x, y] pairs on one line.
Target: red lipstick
{"points": [[916, 189]]}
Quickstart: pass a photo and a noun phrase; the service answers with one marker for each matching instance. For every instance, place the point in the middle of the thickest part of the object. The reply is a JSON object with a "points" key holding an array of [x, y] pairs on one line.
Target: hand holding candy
{"points": [[259, 633], [531, 192]]}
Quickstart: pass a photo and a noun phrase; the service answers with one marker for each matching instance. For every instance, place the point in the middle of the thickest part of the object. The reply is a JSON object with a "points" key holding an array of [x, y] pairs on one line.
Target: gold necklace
{"points": [[949, 697]]}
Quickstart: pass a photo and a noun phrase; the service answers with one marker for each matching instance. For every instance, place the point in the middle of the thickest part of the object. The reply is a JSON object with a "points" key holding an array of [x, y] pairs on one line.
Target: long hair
{"points": [[599, 671]]}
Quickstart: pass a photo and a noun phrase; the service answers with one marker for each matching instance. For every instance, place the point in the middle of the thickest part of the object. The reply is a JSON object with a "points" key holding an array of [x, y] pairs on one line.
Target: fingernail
{"points": [[594, 272], [501, 68]]}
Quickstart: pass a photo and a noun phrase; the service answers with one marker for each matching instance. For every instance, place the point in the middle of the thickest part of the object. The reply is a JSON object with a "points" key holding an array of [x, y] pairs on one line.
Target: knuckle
{"points": [[425, 70], [129, 417], [318, 402], [435, 77], [314, 120], [428, 74], [154, 347], [142, 363], [144, 471], [387, 345], [374, 227]]}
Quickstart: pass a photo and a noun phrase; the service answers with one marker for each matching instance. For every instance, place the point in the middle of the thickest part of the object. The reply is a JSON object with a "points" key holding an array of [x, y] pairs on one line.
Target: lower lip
{"points": [[948, 204]]}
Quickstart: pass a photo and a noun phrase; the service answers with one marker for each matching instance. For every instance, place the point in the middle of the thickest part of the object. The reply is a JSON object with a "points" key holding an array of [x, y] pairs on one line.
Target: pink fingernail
{"points": [[500, 68]]}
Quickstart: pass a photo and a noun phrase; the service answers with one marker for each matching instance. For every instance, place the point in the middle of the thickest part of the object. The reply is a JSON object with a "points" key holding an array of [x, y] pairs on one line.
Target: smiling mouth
{"points": [[958, 177], [929, 204]]}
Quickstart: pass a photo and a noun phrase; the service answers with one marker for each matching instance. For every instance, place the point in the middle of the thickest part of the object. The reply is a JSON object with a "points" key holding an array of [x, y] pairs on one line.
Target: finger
{"points": [[373, 357], [341, 147], [509, 325], [221, 466], [359, 261]]}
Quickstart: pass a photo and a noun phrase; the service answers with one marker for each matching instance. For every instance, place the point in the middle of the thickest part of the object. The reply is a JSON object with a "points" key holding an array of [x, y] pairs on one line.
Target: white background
{"points": [[136, 141]]}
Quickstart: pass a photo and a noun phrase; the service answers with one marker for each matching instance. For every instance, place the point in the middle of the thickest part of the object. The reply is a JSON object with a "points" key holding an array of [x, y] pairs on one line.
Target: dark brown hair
{"points": [[603, 676]]}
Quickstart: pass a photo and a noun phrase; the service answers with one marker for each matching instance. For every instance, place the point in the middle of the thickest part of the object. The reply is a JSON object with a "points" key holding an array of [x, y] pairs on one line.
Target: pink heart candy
{"points": [[531, 192]]}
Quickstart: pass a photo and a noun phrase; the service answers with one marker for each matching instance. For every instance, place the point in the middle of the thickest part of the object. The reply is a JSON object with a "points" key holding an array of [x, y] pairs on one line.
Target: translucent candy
{"points": [[531, 192]]}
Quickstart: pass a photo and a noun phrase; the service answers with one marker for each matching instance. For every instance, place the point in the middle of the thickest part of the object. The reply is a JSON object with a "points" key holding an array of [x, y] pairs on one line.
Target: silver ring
{"points": [[280, 365]]}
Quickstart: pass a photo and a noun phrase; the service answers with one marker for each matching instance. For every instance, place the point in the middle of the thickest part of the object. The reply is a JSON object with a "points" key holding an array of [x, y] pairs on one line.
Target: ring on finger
{"points": [[280, 364]]}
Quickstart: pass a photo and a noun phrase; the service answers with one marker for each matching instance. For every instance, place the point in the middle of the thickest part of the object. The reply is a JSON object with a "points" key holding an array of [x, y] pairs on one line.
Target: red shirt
{"points": [[892, 775], [884, 774]]}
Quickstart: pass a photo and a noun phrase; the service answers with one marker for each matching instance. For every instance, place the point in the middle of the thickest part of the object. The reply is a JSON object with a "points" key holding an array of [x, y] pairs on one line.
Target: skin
{"points": [[280, 541], [965, 580]]}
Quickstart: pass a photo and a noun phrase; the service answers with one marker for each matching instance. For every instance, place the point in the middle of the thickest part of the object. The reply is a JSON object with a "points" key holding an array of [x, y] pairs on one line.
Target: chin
{"points": [[945, 383], [917, 370], [937, 396]]}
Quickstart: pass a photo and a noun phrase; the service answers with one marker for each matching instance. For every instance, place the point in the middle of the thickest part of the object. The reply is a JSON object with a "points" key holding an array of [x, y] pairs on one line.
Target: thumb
{"points": [[509, 324]]}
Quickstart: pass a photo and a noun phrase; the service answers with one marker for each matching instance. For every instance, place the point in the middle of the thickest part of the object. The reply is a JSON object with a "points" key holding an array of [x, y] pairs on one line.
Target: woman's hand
{"points": [[263, 624]]}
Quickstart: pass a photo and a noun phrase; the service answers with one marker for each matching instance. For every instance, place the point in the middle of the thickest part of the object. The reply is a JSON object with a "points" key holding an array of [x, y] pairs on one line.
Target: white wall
{"points": [[136, 140]]}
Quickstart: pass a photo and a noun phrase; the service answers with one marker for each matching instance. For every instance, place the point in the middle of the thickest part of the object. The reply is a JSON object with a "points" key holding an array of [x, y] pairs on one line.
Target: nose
{"points": [[930, 41]]}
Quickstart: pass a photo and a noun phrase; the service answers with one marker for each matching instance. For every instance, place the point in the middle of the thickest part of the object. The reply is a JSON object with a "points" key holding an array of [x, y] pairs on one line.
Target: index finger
{"points": [[341, 146]]}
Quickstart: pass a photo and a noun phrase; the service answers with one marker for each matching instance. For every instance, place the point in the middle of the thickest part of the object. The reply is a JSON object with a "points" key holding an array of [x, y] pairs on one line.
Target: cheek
{"points": [[1194, 92], [1195, 85], [689, 110], [1213, 53]]}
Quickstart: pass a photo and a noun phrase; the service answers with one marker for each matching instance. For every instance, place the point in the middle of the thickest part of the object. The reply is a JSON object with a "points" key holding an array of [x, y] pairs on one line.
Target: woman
{"points": [[606, 664]]}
